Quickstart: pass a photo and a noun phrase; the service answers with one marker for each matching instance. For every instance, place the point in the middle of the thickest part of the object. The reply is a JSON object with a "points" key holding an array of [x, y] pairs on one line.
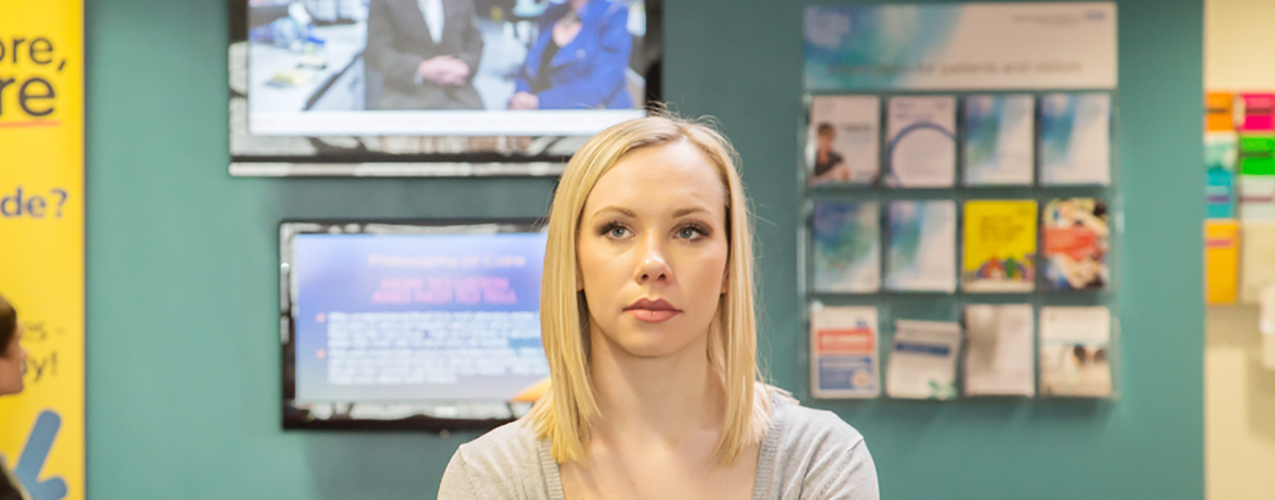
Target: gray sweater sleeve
{"points": [[504, 463], [457, 483], [818, 457], [844, 476]]}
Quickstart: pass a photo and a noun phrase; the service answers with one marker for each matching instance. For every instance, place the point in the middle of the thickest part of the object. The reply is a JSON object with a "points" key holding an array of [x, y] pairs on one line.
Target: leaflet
{"points": [[1000, 246], [844, 361], [1219, 111], [923, 360], [1075, 139], [846, 247], [1075, 351], [921, 144], [921, 255], [1219, 193], [998, 352], [843, 144], [1221, 149], [1256, 194], [1221, 261], [1259, 108], [999, 149], [1076, 244]]}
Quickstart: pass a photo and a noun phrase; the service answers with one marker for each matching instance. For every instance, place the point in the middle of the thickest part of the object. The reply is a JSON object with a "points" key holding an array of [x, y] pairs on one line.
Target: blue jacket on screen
{"points": [[589, 72]]}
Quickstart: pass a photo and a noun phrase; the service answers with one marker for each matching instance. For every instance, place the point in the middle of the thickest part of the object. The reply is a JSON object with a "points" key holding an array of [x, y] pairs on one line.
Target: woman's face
{"points": [[13, 361], [653, 250]]}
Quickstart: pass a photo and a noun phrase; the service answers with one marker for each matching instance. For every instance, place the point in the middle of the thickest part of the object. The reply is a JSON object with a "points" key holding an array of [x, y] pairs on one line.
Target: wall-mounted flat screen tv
{"points": [[433, 87], [410, 326]]}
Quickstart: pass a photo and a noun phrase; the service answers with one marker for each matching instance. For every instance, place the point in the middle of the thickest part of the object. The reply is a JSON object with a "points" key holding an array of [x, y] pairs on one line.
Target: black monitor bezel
{"points": [[294, 418], [528, 156]]}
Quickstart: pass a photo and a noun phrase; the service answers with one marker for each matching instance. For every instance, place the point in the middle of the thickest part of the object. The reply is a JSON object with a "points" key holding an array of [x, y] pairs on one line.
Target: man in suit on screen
{"points": [[426, 53]]}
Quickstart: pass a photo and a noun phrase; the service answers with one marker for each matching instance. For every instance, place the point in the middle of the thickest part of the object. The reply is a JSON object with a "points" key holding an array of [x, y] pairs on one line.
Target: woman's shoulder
{"points": [[815, 450], [804, 423], [503, 463], [511, 445]]}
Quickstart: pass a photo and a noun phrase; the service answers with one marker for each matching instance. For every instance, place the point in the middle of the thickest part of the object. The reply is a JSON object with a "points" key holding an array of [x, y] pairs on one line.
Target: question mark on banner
{"points": [[61, 201]]}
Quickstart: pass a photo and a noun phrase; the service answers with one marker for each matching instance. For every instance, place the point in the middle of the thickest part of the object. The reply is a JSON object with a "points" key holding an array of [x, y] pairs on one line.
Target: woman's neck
{"points": [[577, 5], [661, 398]]}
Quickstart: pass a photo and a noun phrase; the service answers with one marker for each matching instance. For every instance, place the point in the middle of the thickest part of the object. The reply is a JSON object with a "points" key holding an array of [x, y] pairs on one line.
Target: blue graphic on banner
{"points": [[34, 454], [863, 48]]}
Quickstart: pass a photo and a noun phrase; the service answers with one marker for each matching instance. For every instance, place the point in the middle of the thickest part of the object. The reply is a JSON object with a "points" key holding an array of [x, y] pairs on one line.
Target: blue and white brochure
{"points": [[997, 136]]}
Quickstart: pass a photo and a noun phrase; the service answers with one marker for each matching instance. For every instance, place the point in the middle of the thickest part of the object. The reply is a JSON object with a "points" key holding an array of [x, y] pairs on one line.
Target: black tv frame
{"points": [[295, 418], [353, 156]]}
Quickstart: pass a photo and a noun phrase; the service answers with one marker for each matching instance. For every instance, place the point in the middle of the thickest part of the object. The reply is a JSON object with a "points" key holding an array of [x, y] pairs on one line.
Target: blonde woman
{"points": [[647, 316]]}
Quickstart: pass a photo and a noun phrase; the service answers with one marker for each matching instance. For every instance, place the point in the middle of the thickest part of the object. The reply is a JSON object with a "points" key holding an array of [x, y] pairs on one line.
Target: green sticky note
{"points": [[1257, 165], [1257, 144]]}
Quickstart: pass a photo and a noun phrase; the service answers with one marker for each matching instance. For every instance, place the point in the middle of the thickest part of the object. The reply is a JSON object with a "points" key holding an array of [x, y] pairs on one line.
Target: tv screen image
{"points": [[433, 326], [432, 87]]}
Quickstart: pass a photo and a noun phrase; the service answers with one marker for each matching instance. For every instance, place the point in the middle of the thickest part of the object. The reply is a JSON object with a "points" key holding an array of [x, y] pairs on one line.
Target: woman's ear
{"points": [[726, 280]]}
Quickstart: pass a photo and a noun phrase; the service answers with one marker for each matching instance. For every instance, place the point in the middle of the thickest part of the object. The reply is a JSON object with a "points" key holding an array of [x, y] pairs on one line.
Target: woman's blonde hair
{"points": [[568, 409]]}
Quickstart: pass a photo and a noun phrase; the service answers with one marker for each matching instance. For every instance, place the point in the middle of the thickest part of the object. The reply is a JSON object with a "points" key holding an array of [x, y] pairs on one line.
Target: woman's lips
{"points": [[652, 315], [652, 311]]}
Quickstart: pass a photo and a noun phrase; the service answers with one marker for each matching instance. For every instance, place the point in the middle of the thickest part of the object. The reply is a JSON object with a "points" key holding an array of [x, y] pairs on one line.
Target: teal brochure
{"points": [[846, 247], [921, 253], [998, 140]]}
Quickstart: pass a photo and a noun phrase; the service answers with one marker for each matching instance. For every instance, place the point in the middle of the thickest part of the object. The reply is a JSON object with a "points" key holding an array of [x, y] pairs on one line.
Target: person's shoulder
{"points": [[512, 445], [606, 10], [816, 450], [555, 11], [503, 463], [807, 427]]}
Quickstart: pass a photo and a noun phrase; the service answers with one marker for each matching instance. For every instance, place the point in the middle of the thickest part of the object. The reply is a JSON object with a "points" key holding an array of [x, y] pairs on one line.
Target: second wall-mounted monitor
{"points": [[433, 87], [410, 326]]}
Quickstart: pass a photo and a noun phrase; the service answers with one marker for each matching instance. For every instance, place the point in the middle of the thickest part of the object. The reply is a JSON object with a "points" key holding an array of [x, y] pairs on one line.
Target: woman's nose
{"points": [[653, 266]]}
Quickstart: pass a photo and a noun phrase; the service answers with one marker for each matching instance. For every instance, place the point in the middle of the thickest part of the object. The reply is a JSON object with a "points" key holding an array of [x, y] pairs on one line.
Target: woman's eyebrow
{"points": [[611, 208], [688, 211]]}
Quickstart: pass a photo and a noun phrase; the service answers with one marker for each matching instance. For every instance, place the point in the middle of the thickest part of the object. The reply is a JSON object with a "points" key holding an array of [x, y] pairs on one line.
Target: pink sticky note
{"points": [[1259, 112]]}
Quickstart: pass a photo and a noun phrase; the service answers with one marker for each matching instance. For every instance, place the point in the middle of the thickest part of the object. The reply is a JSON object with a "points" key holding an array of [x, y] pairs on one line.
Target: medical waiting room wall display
{"points": [[432, 88], [997, 196]]}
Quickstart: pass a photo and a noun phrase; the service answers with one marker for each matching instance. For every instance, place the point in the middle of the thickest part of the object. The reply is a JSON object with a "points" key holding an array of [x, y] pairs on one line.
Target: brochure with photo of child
{"points": [[843, 143], [846, 247], [1075, 351], [1076, 244], [921, 254]]}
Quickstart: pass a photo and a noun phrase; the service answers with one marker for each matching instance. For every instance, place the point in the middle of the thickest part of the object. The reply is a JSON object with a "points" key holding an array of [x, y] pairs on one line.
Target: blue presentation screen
{"points": [[445, 319]]}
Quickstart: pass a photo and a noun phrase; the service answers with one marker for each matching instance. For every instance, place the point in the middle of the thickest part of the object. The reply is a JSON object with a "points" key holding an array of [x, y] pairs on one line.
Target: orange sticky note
{"points": [[1219, 111]]}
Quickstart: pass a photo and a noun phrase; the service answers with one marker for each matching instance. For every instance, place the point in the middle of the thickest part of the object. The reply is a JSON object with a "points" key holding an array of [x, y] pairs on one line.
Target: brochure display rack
{"points": [[959, 180]]}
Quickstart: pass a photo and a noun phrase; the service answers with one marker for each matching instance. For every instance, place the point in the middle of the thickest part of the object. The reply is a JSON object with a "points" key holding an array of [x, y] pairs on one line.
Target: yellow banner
{"points": [[42, 239]]}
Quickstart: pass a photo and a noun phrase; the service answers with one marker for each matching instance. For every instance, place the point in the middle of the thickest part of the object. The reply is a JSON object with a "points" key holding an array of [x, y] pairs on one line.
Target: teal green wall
{"points": [[183, 356]]}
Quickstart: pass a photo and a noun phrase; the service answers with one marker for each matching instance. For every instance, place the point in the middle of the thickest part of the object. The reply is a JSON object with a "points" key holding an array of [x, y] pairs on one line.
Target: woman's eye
{"points": [[689, 233], [617, 232]]}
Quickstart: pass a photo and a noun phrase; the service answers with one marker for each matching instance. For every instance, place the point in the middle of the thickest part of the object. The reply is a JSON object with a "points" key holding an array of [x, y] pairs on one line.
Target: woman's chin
{"points": [[652, 343]]}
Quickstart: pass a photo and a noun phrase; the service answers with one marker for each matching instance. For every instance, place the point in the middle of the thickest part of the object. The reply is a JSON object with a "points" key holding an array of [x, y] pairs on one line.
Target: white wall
{"points": [[1239, 396], [1239, 44]]}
